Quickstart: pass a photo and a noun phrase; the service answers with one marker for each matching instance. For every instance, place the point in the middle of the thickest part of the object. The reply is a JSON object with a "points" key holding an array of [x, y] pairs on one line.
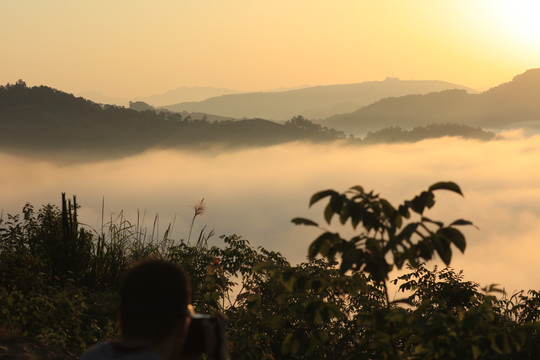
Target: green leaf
{"points": [[274, 321], [399, 259], [442, 246], [349, 258], [317, 285], [455, 236], [499, 343], [315, 246], [328, 213], [304, 221], [328, 248], [321, 195], [355, 213], [338, 202], [300, 284], [344, 213], [407, 231], [461, 222], [395, 315], [438, 223], [493, 288], [261, 266], [288, 279], [396, 220], [404, 209], [446, 185], [358, 188], [402, 301], [422, 201]]}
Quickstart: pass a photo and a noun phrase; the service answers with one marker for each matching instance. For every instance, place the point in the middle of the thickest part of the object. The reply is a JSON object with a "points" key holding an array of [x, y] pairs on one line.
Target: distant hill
{"points": [[397, 134], [316, 102], [41, 120], [511, 104], [195, 93], [47, 122], [142, 106], [100, 98]]}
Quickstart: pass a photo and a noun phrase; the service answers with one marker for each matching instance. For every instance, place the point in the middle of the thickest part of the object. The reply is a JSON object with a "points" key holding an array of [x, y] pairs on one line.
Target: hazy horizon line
{"points": [[281, 88]]}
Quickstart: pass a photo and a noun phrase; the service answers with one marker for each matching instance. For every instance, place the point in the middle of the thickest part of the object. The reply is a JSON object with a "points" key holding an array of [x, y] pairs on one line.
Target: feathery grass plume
{"points": [[198, 210]]}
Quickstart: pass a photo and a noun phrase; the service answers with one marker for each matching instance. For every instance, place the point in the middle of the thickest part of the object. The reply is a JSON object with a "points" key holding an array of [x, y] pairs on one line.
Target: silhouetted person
{"points": [[154, 315]]}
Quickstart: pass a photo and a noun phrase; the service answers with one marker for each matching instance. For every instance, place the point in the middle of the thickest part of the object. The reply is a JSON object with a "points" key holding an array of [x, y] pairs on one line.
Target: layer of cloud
{"points": [[255, 193]]}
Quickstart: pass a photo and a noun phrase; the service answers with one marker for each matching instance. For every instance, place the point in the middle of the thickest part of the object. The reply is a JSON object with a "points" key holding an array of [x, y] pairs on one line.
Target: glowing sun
{"points": [[519, 20]]}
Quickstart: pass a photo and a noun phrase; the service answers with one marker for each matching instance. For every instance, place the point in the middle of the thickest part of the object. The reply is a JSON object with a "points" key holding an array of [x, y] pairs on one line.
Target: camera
{"points": [[205, 335]]}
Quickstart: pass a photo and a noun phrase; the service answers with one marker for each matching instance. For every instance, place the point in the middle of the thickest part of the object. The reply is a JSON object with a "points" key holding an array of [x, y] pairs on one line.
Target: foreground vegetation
{"points": [[58, 284]]}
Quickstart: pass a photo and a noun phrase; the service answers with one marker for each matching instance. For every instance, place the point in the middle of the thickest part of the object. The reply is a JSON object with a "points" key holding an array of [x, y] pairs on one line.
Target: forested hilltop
{"points": [[48, 120], [42, 120], [509, 105]]}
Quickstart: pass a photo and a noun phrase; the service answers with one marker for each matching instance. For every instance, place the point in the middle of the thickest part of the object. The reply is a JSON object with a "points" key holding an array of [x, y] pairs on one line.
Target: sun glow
{"points": [[261, 45], [518, 20]]}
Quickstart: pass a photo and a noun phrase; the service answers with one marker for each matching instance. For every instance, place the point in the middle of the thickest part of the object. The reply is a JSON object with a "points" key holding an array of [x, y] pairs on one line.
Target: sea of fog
{"points": [[256, 192]]}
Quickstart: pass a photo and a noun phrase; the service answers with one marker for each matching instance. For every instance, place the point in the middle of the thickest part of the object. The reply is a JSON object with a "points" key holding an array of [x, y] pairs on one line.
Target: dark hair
{"points": [[154, 296]]}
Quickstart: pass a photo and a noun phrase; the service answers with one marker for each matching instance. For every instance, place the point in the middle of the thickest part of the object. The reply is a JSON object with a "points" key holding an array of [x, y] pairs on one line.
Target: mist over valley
{"points": [[256, 174], [256, 192]]}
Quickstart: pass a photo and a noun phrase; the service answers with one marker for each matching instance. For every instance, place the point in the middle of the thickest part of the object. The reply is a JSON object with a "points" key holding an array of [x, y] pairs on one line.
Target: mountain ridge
{"points": [[48, 122], [316, 102], [509, 103], [43, 120], [186, 93]]}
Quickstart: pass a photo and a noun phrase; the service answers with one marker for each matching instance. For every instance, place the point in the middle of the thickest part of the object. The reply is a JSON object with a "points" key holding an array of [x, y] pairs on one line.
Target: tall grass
{"points": [[59, 277]]}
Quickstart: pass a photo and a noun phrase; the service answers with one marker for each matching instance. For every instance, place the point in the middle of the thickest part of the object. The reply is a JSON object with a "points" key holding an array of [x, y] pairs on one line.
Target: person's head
{"points": [[154, 299]]}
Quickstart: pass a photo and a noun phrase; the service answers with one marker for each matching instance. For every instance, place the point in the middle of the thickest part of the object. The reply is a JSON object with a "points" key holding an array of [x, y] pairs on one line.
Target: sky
{"points": [[141, 47]]}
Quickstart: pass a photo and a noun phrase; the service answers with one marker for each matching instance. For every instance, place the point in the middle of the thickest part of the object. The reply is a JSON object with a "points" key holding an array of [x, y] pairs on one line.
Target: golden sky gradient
{"points": [[141, 47]]}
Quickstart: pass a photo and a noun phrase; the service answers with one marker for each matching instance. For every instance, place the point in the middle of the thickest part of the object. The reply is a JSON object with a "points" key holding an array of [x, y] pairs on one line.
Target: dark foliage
{"points": [[58, 286], [398, 134]]}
